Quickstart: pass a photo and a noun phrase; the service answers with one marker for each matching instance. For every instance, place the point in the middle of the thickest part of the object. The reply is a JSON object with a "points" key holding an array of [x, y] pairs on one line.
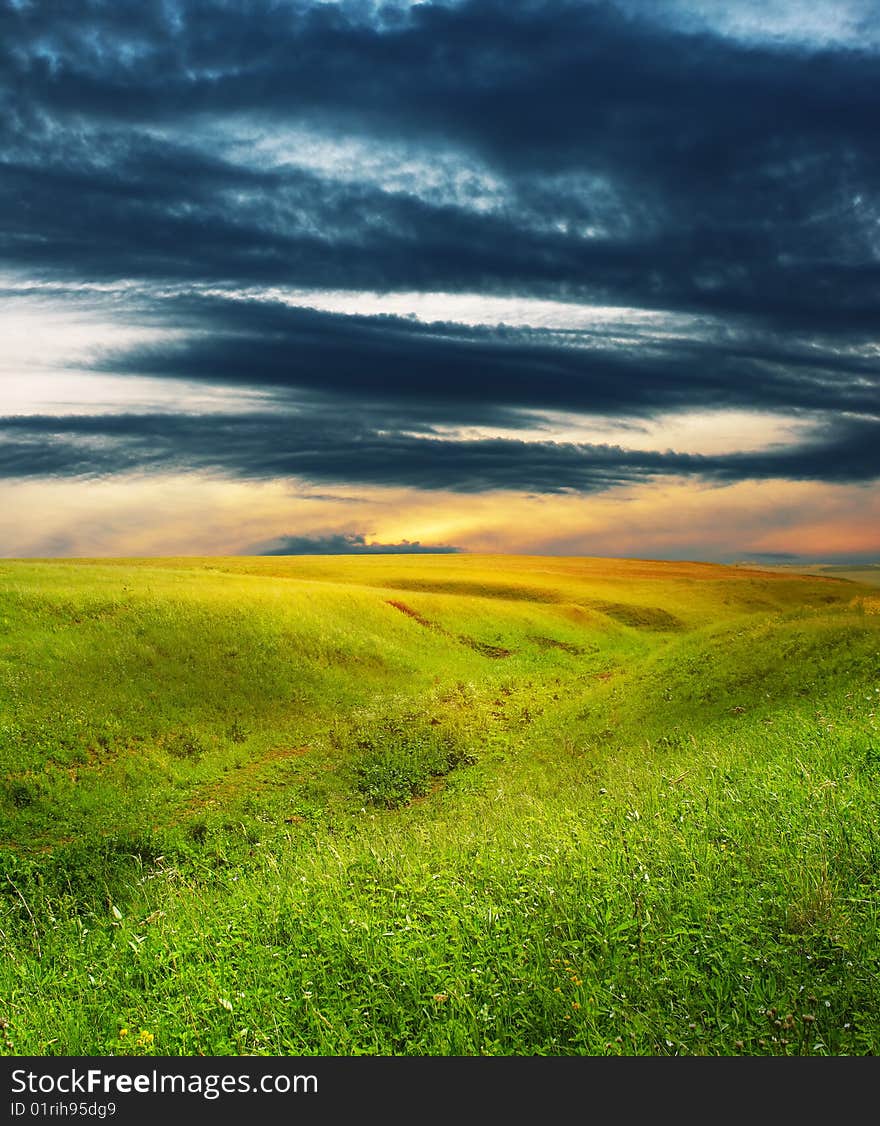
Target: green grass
{"points": [[437, 805]]}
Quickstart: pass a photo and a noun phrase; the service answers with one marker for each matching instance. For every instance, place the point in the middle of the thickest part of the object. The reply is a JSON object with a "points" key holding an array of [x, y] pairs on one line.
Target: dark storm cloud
{"points": [[340, 543], [336, 448], [448, 372], [549, 148], [633, 163]]}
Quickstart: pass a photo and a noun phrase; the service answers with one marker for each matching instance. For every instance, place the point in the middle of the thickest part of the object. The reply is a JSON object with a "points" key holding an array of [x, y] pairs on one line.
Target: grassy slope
{"points": [[865, 573], [643, 815]]}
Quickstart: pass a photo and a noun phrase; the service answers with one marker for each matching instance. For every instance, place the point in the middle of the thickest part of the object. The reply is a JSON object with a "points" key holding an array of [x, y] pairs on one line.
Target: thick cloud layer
{"points": [[545, 147], [336, 448], [620, 155], [478, 374]]}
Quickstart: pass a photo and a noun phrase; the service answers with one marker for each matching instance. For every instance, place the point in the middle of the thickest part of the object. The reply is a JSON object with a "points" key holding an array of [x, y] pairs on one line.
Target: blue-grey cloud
{"points": [[708, 175], [335, 447], [498, 375], [345, 543], [582, 151]]}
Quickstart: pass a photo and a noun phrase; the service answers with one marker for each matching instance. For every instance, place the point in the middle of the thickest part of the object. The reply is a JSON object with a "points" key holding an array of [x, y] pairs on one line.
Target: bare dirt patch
{"points": [[552, 643], [493, 652], [216, 793]]}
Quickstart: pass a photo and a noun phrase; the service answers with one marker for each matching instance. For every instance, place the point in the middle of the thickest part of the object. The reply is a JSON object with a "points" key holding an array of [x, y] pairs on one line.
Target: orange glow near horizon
{"points": [[198, 515]]}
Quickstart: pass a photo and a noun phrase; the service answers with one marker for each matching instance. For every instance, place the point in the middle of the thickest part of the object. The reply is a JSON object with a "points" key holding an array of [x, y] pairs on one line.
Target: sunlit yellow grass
{"points": [[437, 804]]}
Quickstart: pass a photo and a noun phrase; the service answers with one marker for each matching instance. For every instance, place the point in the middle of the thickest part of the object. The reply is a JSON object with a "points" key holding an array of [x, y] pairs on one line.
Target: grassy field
{"points": [[437, 805]]}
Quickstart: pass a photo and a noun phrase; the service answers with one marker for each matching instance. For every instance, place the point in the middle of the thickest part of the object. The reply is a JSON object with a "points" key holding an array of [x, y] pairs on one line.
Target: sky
{"points": [[581, 277]]}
